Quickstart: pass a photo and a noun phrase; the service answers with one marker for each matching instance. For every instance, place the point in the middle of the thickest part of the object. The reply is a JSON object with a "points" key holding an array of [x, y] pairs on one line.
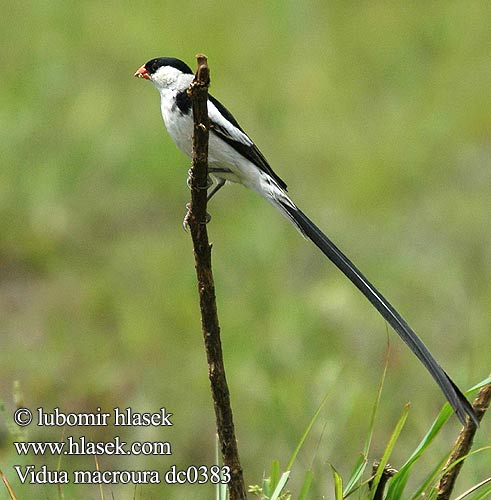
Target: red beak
{"points": [[142, 73]]}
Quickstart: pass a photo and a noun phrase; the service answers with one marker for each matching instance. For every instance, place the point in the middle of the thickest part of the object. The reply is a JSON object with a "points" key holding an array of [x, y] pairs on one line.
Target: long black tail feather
{"points": [[457, 400]]}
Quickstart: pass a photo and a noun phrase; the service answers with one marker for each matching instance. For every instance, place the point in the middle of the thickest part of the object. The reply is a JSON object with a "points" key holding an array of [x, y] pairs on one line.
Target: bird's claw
{"points": [[209, 182], [185, 221]]}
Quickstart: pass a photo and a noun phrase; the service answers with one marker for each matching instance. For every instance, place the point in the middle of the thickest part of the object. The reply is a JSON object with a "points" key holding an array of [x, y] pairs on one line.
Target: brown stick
{"points": [[196, 220], [463, 445], [388, 472]]}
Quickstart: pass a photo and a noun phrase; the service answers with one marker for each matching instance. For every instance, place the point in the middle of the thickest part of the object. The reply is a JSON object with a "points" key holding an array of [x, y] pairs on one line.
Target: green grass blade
{"points": [[222, 491], [281, 484], [355, 477], [388, 450], [338, 484], [377, 401], [266, 487], [361, 463], [429, 480], [398, 482], [309, 476], [306, 433], [475, 488], [479, 486], [274, 475], [438, 472], [485, 493], [479, 385]]}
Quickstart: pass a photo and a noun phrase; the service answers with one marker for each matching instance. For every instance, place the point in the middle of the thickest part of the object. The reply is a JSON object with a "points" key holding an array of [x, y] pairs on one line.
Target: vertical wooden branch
{"points": [[196, 219], [463, 445]]}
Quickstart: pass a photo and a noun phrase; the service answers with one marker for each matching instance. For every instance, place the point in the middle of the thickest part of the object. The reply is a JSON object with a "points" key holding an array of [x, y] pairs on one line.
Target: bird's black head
{"points": [[154, 64]]}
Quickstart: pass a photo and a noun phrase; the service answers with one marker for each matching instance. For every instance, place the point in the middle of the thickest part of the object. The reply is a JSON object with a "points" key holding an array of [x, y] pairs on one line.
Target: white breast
{"points": [[179, 126]]}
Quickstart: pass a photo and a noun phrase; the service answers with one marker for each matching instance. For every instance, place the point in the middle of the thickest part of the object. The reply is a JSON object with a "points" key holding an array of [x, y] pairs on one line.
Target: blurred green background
{"points": [[376, 114]]}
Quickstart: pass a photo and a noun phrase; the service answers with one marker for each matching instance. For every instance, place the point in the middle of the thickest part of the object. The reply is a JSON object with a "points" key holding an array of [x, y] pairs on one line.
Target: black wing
{"points": [[240, 141]]}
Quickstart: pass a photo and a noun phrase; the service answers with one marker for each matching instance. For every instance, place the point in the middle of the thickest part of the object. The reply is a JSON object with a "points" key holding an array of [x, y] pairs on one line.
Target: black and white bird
{"points": [[233, 156]]}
